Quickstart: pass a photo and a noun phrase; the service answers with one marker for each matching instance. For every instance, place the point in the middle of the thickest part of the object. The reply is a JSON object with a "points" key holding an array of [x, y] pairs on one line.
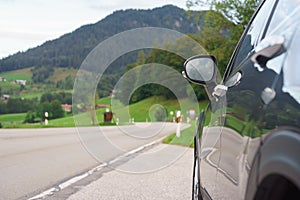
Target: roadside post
{"points": [[172, 118], [178, 114], [108, 116], [46, 118]]}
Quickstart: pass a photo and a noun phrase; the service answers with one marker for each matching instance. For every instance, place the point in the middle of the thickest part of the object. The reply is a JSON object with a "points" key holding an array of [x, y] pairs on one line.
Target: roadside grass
{"points": [[186, 137], [16, 121], [105, 100], [139, 111], [62, 122], [145, 110], [12, 118]]}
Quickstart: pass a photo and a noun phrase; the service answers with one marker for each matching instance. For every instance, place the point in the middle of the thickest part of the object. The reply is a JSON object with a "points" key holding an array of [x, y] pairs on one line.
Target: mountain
{"points": [[70, 49]]}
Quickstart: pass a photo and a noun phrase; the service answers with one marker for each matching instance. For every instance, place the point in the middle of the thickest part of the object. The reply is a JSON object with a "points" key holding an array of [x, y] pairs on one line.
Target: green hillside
{"points": [[22, 74], [139, 111], [70, 49], [52, 66], [31, 89]]}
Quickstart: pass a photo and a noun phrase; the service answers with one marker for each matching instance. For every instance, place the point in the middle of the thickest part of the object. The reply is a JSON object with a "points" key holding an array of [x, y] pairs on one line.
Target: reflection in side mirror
{"points": [[200, 69]]}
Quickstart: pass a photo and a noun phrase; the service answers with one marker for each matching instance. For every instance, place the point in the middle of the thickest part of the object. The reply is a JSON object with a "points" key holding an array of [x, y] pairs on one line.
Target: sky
{"points": [[28, 23]]}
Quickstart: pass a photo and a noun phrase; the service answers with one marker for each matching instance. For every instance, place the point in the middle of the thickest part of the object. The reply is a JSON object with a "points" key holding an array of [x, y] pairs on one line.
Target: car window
{"points": [[254, 33], [287, 15], [285, 22], [291, 69]]}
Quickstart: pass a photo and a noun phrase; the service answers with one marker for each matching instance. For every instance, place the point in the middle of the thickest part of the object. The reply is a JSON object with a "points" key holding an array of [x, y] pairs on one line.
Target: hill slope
{"points": [[70, 49]]}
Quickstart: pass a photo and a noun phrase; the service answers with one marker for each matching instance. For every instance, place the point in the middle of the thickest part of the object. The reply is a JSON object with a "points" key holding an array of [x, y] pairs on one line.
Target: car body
{"points": [[248, 141]]}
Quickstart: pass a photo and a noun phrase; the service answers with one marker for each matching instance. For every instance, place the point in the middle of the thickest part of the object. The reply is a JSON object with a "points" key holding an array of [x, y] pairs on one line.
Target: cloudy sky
{"points": [[28, 23]]}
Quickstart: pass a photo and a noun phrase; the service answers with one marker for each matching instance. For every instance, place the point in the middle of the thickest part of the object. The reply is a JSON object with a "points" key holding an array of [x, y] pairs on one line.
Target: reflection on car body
{"points": [[248, 140]]}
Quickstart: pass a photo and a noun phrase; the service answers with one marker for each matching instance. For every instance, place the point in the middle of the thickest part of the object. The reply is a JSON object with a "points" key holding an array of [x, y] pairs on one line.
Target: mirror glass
{"points": [[200, 69]]}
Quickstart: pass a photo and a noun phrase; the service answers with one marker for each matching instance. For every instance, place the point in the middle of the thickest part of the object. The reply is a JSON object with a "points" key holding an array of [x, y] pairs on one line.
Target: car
{"points": [[247, 144]]}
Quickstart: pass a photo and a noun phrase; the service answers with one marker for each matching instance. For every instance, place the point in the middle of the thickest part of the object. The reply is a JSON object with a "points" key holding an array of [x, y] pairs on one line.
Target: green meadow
{"points": [[141, 112]]}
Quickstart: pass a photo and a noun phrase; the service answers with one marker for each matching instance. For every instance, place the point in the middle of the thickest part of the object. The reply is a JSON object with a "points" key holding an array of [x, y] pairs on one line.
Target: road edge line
{"points": [[76, 178]]}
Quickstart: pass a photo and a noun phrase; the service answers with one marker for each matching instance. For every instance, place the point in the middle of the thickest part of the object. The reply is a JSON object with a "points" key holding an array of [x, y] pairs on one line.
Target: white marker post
{"points": [[46, 118], [172, 118], [178, 114]]}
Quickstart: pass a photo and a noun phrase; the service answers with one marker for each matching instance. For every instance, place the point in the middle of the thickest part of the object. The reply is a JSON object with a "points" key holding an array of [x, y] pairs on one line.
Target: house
{"points": [[66, 107], [20, 82]]}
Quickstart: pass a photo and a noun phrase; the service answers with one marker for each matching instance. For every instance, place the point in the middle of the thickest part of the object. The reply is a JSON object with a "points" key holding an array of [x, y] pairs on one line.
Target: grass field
{"points": [[145, 110], [22, 74], [12, 118], [139, 111], [105, 100], [33, 90]]}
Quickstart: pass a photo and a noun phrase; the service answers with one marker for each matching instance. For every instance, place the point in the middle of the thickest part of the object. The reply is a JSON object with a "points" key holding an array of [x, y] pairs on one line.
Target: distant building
{"points": [[2, 79], [20, 82], [66, 107], [5, 97]]}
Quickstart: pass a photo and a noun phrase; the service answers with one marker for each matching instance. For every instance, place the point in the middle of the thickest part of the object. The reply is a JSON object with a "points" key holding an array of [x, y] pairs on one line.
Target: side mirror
{"points": [[200, 69]]}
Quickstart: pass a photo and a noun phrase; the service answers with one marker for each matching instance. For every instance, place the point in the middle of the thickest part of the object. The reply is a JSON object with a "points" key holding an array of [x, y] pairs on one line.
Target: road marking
{"points": [[77, 178], [44, 194]]}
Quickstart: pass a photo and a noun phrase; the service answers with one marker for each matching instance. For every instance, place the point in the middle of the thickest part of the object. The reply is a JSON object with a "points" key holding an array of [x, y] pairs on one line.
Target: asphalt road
{"points": [[32, 160], [173, 182]]}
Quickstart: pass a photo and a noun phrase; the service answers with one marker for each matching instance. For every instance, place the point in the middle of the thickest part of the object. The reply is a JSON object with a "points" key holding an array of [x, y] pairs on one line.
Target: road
{"points": [[173, 182], [32, 160]]}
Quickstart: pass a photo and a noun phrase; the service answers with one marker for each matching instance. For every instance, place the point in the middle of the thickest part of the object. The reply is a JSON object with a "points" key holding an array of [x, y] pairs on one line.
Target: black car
{"points": [[248, 141]]}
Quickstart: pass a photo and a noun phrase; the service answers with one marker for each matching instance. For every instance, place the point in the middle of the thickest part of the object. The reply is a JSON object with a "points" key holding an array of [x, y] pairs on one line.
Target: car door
{"points": [[232, 121], [242, 110]]}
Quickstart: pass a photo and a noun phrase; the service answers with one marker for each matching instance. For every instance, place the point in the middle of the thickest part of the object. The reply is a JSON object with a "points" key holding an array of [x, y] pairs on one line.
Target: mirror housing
{"points": [[202, 69]]}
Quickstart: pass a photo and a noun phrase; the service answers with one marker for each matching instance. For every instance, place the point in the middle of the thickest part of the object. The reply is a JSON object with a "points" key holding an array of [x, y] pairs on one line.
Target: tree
{"points": [[56, 109], [44, 107], [224, 24], [30, 117], [40, 74], [62, 97], [237, 11], [66, 84], [170, 57]]}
